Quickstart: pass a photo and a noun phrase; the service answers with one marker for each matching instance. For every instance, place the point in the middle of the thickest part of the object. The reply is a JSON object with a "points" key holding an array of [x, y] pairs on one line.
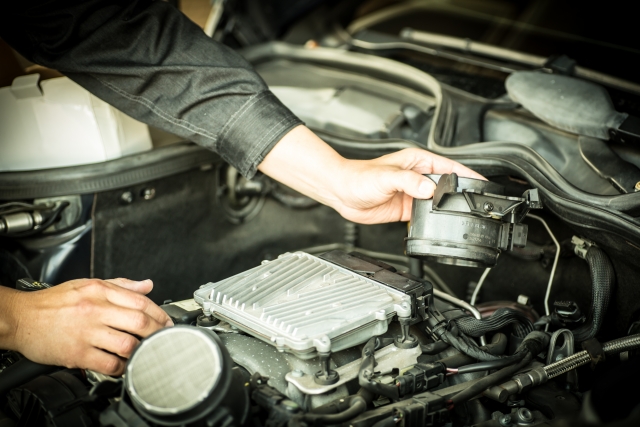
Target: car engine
{"points": [[507, 302]]}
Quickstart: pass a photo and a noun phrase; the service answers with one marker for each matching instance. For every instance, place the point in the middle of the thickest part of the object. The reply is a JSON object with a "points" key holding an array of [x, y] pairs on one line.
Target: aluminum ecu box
{"points": [[303, 304]]}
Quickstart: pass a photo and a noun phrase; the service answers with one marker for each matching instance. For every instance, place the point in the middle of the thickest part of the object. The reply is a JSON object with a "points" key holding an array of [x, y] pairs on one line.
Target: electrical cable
{"points": [[486, 366], [41, 227], [474, 296], [460, 303], [547, 294], [488, 381]]}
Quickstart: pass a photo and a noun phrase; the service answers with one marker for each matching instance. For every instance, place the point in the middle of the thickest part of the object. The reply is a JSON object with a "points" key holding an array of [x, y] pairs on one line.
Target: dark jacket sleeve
{"points": [[151, 62]]}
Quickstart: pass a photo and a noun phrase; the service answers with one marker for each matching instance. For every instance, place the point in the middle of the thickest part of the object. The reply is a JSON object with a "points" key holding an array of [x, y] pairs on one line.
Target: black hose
{"points": [[533, 344], [21, 372], [497, 346], [488, 381], [357, 405], [602, 282], [366, 373], [502, 317], [434, 347], [487, 366]]}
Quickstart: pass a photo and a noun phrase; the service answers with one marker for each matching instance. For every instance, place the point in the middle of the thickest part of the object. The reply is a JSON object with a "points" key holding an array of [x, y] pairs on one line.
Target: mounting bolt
{"points": [[148, 193], [637, 187], [297, 373], [126, 197], [505, 420], [525, 415], [488, 206]]}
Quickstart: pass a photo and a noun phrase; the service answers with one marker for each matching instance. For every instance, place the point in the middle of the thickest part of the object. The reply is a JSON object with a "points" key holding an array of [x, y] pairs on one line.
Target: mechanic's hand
{"points": [[382, 189], [365, 191], [86, 323]]}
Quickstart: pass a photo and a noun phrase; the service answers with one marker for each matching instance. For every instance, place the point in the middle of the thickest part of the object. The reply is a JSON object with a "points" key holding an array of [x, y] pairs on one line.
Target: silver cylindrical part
{"points": [[17, 222]]}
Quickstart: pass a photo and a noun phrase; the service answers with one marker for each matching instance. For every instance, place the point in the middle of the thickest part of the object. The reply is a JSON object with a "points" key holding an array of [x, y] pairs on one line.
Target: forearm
{"points": [[307, 164], [8, 318]]}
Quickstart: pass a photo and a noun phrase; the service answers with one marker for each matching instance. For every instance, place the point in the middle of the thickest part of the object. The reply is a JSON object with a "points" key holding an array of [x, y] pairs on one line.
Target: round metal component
{"points": [[637, 187], [181, 374], [126, 197], [322, 379], [525, 415], [455, 239], [459, 226], [148, 193], [17, 222], [505, 420]]}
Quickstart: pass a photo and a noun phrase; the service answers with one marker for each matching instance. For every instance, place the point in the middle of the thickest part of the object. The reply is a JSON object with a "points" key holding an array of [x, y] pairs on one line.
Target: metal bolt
{"points": [[637, 187], [488, 206], [149, 193], [525, 415], [126, 197], [505, 420], [297, 373], [523, 299]]}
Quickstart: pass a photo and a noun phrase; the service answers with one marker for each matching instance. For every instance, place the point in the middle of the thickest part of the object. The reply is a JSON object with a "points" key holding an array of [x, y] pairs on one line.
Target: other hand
{"points": [[87, 323]]}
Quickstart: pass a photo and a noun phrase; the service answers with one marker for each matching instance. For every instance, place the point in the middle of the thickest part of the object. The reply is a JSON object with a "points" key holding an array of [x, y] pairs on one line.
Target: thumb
{"points": [[414, 184], [141, 287]]}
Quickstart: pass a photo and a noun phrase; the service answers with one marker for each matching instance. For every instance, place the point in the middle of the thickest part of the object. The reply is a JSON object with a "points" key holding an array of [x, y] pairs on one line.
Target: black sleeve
{"points": [[147, 59]]}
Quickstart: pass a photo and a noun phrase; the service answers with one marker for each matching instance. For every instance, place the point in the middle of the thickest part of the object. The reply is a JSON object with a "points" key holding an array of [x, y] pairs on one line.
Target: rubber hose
{"points": [[358, 405], [499, 319], [21, 372], [489, 381], [464, 345], [497, 346], [434, 347], [602, 282]]}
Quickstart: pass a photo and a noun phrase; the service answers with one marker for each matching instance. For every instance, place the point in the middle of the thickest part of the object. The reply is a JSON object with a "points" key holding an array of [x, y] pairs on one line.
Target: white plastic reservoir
{"points": [[57, 123]]}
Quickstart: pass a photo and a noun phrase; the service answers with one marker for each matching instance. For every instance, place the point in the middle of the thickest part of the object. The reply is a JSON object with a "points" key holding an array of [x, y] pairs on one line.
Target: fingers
{"points": [[103, 362], [113, 341], [135, 322], [425, 162], [411, 183], [132, 300], [141, 287]]}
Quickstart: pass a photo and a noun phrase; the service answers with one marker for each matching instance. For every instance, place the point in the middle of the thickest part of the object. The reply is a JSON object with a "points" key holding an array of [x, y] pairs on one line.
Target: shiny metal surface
{"points": [[174, 370], [303, 304]]}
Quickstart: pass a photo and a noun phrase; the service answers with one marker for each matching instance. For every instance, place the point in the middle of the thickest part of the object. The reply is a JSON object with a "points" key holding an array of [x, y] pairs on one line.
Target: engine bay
{"points": [[507, 302]]}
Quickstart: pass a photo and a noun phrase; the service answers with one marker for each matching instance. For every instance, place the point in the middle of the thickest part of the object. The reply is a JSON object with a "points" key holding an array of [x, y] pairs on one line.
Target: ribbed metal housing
{"points": [[301, 303]]}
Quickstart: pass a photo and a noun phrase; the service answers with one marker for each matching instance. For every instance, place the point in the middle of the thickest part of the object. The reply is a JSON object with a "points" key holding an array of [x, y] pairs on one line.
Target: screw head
{"points": [[126, 197], [297, 373], [149, 193], [488, 206], [505, 420], [637, 187]]}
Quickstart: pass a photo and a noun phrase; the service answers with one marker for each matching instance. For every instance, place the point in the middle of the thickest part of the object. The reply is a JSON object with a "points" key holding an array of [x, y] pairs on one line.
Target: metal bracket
{"points": [[581, 246]]}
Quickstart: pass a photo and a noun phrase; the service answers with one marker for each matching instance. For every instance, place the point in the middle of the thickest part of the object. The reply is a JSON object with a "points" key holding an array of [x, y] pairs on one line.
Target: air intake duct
{"points": [[184, 375]]}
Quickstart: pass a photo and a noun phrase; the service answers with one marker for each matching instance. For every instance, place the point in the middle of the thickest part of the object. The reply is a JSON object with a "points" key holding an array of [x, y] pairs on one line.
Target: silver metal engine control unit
{"points": [[468, 222], [310, 306]]}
